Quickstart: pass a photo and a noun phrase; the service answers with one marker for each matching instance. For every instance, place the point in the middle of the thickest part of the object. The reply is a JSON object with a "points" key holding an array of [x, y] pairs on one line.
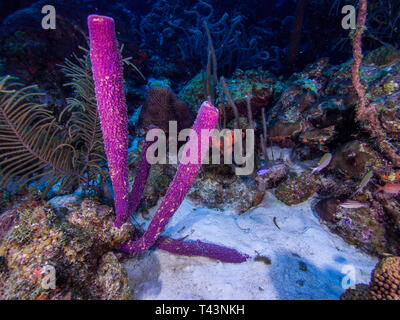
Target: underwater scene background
{"points": [[308, 90]]}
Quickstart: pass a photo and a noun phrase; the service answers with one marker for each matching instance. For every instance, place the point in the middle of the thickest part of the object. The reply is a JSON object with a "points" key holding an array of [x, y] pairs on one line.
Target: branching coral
{"points": [[382, 21], [364, 112]]}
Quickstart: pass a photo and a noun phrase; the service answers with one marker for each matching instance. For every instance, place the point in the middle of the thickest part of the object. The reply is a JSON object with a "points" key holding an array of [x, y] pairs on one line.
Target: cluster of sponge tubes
{"points": [[108, 79]]}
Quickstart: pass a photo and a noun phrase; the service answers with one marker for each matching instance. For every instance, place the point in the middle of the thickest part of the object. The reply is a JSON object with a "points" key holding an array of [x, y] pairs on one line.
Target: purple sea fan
{"points": [[109, 85]]}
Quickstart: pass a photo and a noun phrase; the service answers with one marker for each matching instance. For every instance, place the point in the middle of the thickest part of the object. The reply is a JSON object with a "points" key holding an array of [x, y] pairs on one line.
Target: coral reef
{"points": [[385, 280], [219, 188], [297, 188], [367, 228], [272, 177], [111, 281], [258, 84], [77, 245], [354, 159], [338, 120]]}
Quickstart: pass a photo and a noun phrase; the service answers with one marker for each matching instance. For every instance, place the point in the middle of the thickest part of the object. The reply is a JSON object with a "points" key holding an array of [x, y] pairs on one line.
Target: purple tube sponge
{"points": [[107, 74], [108, 78], [142, 173], [199, 248], [207, 118]]}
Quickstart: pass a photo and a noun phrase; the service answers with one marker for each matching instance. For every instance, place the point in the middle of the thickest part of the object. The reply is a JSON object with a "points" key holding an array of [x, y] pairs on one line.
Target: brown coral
{"points": [[297, 189], [162, 106], [385, 280]]}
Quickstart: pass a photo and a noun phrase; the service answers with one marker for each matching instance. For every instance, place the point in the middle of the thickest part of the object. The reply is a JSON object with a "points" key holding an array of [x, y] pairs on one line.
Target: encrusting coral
{"points": [[76, 244], [107, 73]]}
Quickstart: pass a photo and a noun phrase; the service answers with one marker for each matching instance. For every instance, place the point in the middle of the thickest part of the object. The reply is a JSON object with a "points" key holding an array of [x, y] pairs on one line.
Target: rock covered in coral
{"points": [[218, 188], [111, 282], [369, 228], [297, 188], [73, 245], [360, 292], [392, 209], [270, 177], [354, 159], [99, 221], [385, 280], [7, 220], [289, 116], [259, 85], [317, 105], [382, 57], [384, 284]]}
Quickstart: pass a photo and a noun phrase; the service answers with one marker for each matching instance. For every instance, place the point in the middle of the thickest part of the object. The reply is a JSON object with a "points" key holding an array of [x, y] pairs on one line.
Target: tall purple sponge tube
{"points": [[207, 118], [109, 86]]}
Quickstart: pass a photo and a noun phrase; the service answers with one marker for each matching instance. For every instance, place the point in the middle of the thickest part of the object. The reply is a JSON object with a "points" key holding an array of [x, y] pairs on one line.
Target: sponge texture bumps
{"points": [[108, 78]]}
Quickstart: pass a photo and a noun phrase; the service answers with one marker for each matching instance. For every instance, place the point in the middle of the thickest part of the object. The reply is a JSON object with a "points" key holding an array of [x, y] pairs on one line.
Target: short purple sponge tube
{"points": [[142, 173], [199, 248], [109, 86]]}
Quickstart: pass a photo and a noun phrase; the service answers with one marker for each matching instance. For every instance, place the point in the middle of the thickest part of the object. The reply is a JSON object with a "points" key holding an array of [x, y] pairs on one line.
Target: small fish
{"points": [[389, 188], [264, 259], [323, 163], [364, 182], [276, 223], [263, 171], [385, 254], [352, 204]]}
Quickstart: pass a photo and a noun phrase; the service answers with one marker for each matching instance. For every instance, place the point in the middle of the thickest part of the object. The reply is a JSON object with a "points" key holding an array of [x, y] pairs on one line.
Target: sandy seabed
{"points": [[307, 260]]}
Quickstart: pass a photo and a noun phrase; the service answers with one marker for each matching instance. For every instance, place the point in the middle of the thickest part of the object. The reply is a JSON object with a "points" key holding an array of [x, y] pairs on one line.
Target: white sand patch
{"points": [[307, 260]]}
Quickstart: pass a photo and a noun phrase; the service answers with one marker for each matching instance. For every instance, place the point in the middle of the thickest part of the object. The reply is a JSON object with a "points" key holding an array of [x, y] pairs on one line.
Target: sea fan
{"points": [[37, 148], [84, 124], [33, 146]]}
